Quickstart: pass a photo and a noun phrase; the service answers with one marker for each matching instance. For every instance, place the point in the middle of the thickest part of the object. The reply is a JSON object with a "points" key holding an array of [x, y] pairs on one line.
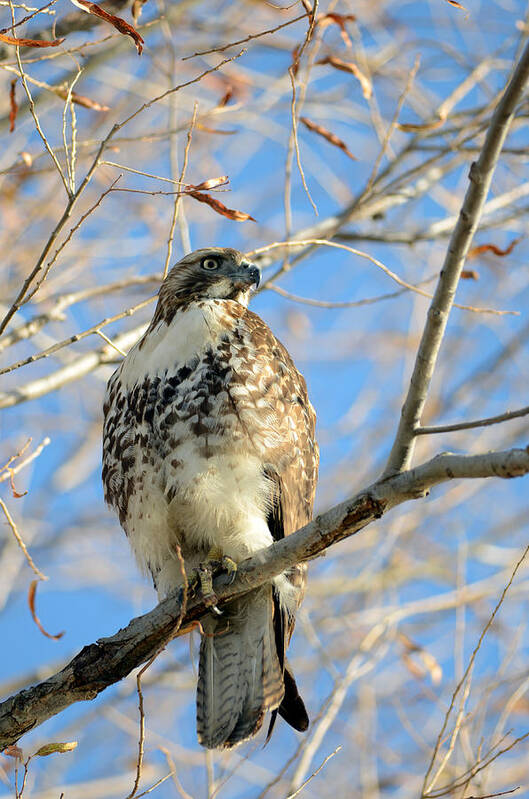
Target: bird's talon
{"points": [[230, 567], [205, 577]]}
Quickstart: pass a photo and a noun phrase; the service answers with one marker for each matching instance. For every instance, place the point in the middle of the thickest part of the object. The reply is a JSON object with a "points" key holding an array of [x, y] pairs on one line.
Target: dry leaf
{"points": [[137, 8], [294, 67], [13, 751], [340, 20], [429, 663], [13, 107], [212, 183], [225, 99], [80, 99], [493, 248], [119, 24], [456, 4], [414, 669], [330, 137], [51, 749], [29, 42], [205, 129], [13, 489], [351, 67], [416, 128], [469, 274], [26, 157], [238, 216], [31, 601]]}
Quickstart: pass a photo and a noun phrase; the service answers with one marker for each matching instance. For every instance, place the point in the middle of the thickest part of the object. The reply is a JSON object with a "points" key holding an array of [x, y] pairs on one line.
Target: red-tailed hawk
{"points": [[209, 449]]}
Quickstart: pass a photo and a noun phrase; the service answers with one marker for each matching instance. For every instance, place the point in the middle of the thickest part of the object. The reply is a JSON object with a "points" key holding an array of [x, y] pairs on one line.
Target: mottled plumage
{"points": [[209, 446]]}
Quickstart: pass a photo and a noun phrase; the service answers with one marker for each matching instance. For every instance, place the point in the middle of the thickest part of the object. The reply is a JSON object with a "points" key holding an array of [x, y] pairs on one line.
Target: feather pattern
{"points": [[208, 445]]}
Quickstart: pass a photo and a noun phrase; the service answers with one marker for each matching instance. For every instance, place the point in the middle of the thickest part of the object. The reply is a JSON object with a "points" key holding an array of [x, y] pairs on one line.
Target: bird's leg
{"points": [[227, 563], [229, 566], [205, 576]]}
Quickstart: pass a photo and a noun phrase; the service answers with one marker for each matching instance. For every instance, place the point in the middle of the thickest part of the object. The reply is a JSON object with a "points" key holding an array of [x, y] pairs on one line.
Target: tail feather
{"points": [[239, 676], [292, 707]]}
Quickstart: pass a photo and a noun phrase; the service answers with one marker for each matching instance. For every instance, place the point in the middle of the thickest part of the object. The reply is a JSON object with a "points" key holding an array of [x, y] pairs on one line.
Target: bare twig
{"points": [[23, 293], [325, 761], [98, 666], [428, 786], [480, 178], [79, 336], [8, 471], [34, 112], [176, 206], [450, 428], [72, 371], [375, 261], [20, 542], [221, 48]]}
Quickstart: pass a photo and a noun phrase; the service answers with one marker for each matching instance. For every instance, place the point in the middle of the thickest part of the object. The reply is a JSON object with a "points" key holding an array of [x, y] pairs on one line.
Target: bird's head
{"points": [[212, 273]]}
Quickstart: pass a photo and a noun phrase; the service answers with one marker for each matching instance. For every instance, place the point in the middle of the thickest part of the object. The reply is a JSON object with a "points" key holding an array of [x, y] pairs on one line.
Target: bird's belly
{"points": [[203, 505], [220, 503]]}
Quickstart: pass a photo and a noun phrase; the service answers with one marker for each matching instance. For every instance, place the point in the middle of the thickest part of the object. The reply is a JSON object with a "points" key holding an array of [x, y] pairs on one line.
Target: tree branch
{"points": [[489, 420], [72, 371], [480, 177], [109, 660]]}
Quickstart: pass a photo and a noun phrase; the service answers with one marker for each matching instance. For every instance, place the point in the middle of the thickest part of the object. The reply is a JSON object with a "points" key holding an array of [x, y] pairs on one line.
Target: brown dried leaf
{"points": [[456, 4], [413, 667], [469, 274], [13, 107], [294, 67], [13, 489], [29, 42], [216, 131], [351, 67], [51, 749], [225, 99], [429, 665], [80, 99], [330, 137], [32, 593], [237, 216], [13, 751], [119, 24], [493, 248], [340, 20], [410, 127], [137, 8], [212, 183]]}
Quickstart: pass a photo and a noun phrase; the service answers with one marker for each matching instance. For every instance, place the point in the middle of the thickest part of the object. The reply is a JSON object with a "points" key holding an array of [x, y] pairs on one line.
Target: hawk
{"points": [[209, 451]]}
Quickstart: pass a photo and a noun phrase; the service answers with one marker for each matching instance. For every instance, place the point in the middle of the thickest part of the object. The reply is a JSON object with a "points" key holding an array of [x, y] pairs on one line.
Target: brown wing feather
{"points": [[293, 469]]}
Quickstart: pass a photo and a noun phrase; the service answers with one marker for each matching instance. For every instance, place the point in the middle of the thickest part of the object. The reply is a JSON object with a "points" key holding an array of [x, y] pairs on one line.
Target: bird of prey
{"points": [[208, 452]]}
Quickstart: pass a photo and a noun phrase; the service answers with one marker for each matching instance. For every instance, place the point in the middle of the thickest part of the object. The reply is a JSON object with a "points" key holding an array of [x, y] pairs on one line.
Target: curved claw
{"points": [[230, 567], [205, 576]]}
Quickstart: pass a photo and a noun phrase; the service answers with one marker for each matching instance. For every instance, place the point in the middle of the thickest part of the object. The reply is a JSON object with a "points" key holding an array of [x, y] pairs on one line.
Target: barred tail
{"points": [[239, 676]]}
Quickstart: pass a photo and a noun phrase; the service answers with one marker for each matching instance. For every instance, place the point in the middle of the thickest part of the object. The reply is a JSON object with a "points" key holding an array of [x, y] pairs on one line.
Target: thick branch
{"points": [[480, 177], [72, 371], [108, 660]]}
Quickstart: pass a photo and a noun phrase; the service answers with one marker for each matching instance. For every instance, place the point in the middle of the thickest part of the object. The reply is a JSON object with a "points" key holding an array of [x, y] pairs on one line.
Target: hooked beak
{"points": [[250, 274], [255, 274]]}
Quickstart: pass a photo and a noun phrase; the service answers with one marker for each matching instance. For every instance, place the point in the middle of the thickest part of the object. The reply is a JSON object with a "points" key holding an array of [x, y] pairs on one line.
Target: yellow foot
{"points": [[230, 567], [205, 576]]}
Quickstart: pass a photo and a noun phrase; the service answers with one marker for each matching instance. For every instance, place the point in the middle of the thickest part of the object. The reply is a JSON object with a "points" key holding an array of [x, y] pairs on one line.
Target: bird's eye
{"points": [[210, 263]]}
